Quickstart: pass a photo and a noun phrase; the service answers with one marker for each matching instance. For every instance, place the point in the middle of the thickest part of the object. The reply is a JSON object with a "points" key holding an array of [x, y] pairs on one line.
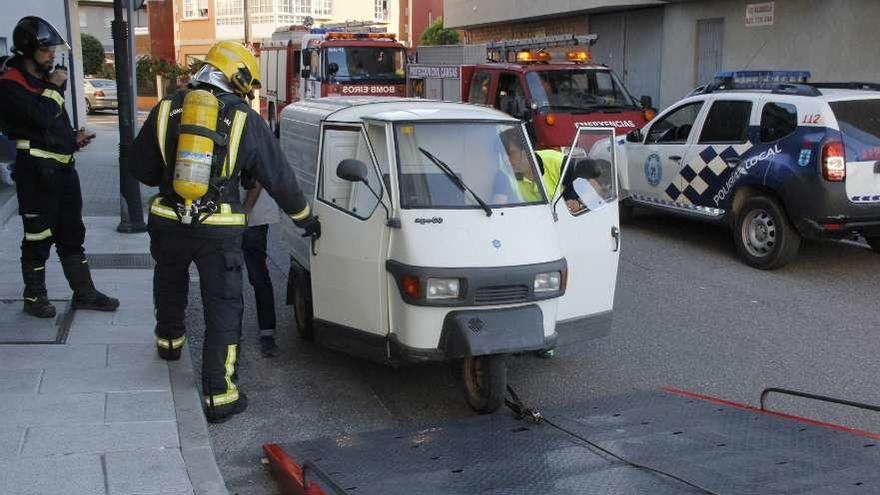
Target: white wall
{"points": [[836, 40]]}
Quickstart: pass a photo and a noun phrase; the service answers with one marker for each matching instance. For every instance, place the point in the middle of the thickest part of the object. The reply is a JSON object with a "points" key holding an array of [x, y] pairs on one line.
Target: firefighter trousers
{"points": [[50, 204], [219, 264]]}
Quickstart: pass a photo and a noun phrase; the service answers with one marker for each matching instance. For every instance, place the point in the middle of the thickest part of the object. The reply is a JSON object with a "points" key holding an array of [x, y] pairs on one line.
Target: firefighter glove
{"points": [[312, 228]]}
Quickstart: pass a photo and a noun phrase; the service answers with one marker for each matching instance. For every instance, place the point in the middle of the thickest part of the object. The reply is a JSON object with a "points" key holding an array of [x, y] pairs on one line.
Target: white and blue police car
{"points": [[775, 157]]}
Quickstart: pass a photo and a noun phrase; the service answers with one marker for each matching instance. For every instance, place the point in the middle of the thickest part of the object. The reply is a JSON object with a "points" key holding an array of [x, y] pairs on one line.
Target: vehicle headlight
{"points": [[443, 288], [548, 282]]}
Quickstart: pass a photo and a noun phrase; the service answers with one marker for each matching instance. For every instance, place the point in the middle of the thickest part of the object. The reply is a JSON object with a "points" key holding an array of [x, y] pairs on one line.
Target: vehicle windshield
{"points": [[490, 158], [359, 63], [572, 90]]}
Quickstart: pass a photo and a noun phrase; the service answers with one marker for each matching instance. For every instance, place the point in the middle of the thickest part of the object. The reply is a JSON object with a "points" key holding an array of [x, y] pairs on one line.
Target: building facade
{"points": [[94, 18], [422, 14], [664, 49]]}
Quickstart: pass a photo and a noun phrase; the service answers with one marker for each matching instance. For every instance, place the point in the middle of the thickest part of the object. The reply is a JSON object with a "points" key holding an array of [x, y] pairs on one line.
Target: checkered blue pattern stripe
{"points": [[705, 172]]}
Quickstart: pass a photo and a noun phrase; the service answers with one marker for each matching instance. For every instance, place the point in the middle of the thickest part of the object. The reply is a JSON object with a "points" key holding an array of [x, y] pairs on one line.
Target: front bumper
{"points": [[481, 332]]}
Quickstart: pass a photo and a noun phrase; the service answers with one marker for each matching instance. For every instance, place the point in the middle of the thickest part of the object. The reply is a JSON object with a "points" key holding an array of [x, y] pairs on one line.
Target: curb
{"points": [[9, 206], [192, 428]]}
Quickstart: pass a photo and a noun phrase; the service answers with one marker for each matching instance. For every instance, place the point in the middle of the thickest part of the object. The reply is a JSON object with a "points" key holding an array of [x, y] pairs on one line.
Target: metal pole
{"points": [[131, 210], [247, 22]]}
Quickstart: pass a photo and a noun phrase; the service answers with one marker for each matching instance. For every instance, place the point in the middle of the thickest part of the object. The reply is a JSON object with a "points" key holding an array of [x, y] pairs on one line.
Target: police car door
{"points": [[346, 263], [589, 233], [654, 165]]}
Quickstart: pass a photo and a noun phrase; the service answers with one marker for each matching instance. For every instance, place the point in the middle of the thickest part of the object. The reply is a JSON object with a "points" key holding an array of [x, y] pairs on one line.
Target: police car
{"points": [[773, 156]]}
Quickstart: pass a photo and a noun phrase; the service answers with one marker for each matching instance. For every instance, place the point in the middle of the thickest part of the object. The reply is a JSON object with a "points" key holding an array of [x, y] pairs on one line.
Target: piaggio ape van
{"points": [[438, 244]]}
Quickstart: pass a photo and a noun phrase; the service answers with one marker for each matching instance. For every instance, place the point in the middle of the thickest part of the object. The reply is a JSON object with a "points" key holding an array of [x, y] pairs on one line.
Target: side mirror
{"points": [[333, 68], [305, 73], [646, 101], [634, 136], [587, 168], [352, 170]]}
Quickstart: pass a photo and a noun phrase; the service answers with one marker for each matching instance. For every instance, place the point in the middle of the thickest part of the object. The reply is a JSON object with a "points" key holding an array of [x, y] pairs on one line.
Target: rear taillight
{"points": [[833, 162], [99, 93]]}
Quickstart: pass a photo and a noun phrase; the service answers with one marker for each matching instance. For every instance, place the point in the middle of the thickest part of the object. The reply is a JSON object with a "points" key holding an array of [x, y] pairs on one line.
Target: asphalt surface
{"points": [[688, 314]]}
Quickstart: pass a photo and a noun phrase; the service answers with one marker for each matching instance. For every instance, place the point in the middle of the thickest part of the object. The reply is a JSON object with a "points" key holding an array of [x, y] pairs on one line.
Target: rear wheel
{"points": [[765, 238], [874, 242], [302, 304], [89, 109], [273, 121], [485, 382]]}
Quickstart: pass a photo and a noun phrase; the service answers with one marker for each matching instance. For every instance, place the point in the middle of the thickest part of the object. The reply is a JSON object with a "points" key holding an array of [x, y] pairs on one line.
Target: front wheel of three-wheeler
{"points": [[485, 382]]}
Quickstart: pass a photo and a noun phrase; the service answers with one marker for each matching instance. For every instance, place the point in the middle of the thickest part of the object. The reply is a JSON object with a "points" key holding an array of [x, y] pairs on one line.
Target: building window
{"points": [[229, 12], [83, 20], [195, 9], [381, 10]]}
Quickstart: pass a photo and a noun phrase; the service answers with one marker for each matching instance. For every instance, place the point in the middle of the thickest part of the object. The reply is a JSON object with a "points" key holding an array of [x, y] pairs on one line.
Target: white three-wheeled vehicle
{"points": [[438, 242]]}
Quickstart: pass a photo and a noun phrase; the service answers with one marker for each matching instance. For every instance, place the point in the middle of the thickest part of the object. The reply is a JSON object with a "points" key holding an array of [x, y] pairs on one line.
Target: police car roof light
{"points": [[793, 76]]}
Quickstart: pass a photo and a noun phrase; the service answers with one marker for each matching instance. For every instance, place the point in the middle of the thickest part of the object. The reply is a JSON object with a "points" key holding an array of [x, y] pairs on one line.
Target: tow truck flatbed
{"points": [[653, 442]]}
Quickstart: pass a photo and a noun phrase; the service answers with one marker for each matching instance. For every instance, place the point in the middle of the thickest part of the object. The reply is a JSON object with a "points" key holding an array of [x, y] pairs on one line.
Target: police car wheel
{"points": [[764, 237], [874, 242], [302, 305], [485, 382]]}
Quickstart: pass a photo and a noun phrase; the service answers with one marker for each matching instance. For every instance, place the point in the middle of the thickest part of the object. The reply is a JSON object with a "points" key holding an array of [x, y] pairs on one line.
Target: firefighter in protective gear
{"points": [[49, 196], [207, 230]]}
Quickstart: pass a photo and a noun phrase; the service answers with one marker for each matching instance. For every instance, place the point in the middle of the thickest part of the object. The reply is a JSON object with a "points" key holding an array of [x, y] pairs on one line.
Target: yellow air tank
{"points": [[192, 170]]}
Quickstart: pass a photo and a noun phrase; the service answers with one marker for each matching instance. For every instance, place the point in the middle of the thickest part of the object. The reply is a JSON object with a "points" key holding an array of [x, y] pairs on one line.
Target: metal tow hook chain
{"points": [[520, 410]]}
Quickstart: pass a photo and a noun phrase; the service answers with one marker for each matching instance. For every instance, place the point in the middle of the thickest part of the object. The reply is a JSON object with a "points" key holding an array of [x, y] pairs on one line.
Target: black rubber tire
{"points": [[783, 241], [874, 242], [303, 311], [627, 211], [485, 382], [89, 110]]}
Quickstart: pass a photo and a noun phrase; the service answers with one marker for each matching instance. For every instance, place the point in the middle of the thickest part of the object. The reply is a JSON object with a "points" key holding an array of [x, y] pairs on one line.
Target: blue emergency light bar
{"points": [[761, 79]]}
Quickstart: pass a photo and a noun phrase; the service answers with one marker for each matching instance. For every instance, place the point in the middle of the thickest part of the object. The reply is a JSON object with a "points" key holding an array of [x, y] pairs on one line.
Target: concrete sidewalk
{"points": [[87, 407]]}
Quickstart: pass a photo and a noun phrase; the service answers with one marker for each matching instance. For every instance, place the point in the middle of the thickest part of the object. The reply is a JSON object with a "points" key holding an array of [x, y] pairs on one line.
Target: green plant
{"points": [[106, 72], [436, 34], [149, 67], [92, 53]]}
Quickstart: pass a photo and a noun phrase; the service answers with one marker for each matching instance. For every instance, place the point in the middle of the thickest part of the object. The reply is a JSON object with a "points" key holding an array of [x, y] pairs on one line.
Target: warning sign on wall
{"points": [[760, 14]]}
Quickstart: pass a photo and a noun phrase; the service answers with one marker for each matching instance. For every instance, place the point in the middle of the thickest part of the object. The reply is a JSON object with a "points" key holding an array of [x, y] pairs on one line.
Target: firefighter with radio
{"points": [[49, 195], [198, 146]]}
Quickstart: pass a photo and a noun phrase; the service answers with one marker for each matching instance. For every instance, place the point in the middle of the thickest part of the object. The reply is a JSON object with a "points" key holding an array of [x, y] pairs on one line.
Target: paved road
{"points": [[688, 314]]}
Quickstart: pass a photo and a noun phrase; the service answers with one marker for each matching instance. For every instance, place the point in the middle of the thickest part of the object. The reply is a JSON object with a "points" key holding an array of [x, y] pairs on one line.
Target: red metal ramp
{"points": [[646, 442]]}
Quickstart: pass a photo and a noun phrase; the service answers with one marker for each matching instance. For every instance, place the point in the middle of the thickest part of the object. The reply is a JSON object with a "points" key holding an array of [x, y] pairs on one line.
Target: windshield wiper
{"points": [[456, 180]]}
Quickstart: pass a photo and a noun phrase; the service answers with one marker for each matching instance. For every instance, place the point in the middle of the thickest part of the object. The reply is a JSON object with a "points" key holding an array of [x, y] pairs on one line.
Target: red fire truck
{"points": [[341, 59], [551, 83]]}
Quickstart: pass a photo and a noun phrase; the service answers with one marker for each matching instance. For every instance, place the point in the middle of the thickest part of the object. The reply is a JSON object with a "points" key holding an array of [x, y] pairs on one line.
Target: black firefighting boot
{"points": [[85, 295], [169, 349], [36, 302], [220, 413]]}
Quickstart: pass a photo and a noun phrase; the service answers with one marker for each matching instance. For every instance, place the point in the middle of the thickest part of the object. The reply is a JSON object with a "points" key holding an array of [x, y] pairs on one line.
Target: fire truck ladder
{"points": [[503, 48], [356, 26]]}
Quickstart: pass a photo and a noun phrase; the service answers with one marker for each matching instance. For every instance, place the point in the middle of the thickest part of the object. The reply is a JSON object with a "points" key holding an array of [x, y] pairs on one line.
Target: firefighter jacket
{"points": [[32, 114], [252, 154]]}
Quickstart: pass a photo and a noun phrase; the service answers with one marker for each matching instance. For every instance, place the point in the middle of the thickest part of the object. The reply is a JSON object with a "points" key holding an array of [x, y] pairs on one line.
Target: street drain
{"points": [[17, 327], [131, 261]]}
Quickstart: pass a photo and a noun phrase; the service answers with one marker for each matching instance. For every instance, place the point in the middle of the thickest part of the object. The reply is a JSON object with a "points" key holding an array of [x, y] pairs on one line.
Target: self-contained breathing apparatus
{"points": [[201, 169]]}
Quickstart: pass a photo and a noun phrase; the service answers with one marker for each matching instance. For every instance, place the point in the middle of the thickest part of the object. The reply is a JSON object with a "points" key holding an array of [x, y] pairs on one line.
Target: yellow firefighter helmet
{"points": [[238, 64]]}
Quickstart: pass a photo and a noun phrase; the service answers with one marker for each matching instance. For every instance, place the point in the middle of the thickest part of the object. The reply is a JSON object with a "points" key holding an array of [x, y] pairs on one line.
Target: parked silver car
{"points": [[100, 94]]}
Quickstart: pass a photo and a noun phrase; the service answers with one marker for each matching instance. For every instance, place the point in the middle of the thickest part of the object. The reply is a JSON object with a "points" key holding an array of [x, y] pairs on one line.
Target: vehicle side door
{"points": [[723, 138], [653, 165], [588, 229], [480, 88], [347, 262]]}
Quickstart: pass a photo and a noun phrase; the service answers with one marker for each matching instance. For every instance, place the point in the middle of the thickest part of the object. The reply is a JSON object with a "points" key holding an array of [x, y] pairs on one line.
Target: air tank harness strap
{"points": [[218, 138]]}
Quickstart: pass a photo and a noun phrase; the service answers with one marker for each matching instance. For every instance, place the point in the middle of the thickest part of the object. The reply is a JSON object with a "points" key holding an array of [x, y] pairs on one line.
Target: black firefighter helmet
{"points": [[32, 33]]}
